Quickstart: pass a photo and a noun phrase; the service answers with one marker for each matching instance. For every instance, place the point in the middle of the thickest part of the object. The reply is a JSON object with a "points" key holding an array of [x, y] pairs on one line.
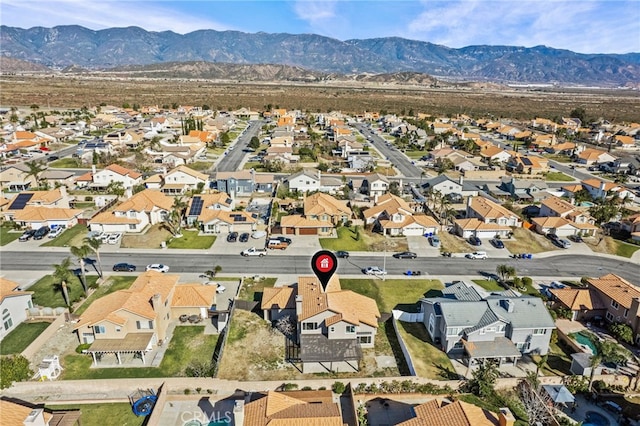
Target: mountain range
{"points": [[76, 46]]}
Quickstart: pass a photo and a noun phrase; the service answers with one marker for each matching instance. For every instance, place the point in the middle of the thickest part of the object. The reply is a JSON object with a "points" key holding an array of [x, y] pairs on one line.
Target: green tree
{"points": [[14, 368], [254, 143], [622, 332], [116, 188], [505, 271], [80, 253], [443, 165], [579, 113], [173, 221], [94, 244], [483, 379], [225, 139], [62, 275]]}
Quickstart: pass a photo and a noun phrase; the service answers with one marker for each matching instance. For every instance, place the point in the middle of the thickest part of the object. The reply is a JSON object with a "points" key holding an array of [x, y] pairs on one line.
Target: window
{"points": [[432, 323], [614, 304], [482, 331], [118, 329], [626, 312], [351, 329], [501, 328], [7, 322], [458, 345], [309, 325], [452, 331], [609, 316], [539, 331], [332, 329], [144, 325], [99, 329], [132, 226], [364, 340]]}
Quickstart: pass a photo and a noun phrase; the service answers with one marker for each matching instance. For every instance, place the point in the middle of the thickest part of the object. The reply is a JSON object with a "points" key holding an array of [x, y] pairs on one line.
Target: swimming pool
{"points": [[586, 341], [586, 204], [595, 419]]}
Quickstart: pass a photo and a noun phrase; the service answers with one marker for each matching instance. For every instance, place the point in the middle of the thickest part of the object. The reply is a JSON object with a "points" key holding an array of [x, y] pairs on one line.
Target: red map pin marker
{"points": [[324, 263]]}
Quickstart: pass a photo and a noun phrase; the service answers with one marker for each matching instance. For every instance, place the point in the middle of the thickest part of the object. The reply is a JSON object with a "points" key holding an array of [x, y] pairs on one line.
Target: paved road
{"points": [[231, 161], [276, 263], [397, 158]]}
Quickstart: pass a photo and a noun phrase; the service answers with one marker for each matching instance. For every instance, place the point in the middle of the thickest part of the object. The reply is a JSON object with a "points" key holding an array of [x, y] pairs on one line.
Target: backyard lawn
{"points": [[114, 283], [350, 239], [7, 236], [394, 293], [21, 336], [558, 361], [489, 285], [69, 237], [97, 414], [47, 291], [429, 361], [189, 345], [252, 290], [191, 240]]}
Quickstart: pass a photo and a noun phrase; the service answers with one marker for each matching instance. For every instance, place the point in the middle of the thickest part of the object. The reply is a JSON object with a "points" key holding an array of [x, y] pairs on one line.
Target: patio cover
{"points": [[501, 347], [132, 342], [559, 394], [318, 348]]}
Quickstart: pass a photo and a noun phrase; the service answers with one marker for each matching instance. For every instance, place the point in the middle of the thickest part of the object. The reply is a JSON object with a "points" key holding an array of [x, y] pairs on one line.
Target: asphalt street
{"points": [[233, 158], [181, 261]]}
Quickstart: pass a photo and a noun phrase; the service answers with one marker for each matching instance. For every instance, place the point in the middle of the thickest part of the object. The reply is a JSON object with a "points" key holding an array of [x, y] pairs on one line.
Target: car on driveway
{"points": [[475, 241], [477, 255], [434, 241], [497, 243], [342, 254], [405, 255], [232, 237], [576, 238], [159, 267], [41, 232], [27, 235], [244, 237], [563, 243], [55, 232], [124, 267], [374, 270], [284, 239], [220, 289], [114, 238], [552, 237]]}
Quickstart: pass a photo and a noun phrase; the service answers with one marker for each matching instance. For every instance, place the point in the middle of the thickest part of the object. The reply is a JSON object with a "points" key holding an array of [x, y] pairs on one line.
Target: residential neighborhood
{"points": [[470, 254]]}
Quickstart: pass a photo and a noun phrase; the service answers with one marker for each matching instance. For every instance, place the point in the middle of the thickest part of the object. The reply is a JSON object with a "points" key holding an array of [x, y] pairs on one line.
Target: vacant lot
{"points": [[392, 294], [607, 244], [352, 239], [453, 243], [76, 91], [252, 289], [152, 238], [525, 241], [191, 240]]}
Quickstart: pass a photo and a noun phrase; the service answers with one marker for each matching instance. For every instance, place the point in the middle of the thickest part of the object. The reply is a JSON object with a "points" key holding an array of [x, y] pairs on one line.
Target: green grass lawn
{"points": [[96, 414], [114, 283], [188, 345], [346, 241], [6, 236], [21, 336], [429, 361], [256, 165], [200, 166], [191, 240], [46, 291], [626, 249], [251, 290], [414, 155], [489, 285], [69, 237], [67, 163], [558, 361], [394, 293], [558, 177]]}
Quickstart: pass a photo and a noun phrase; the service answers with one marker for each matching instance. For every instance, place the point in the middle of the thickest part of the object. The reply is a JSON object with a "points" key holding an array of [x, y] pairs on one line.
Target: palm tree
{"points": [[35, 168], [94, 244], [62, 274], [80, 253], [173, 221], [505, 271]]}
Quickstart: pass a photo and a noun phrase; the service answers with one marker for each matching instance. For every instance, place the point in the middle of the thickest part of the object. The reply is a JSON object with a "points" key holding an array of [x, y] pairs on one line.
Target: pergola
{"points": [[132, 343], [318, 348], [501, 349]]}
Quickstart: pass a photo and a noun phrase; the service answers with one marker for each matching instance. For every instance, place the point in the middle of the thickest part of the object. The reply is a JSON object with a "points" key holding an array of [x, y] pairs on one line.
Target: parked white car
{"points": [[114, 238], [374, 270], [477, 255], [55, 232], [159, 267]]}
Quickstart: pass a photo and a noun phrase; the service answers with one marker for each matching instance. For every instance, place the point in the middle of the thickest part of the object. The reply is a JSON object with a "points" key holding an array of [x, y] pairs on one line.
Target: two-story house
{"points": [[446, 186], [333, 324], [374, 185], [522, 189], [321, 213], [485, 219], [391, 215], [147, 207], [601, 189], [243, 183], [136, 319], [499, 327], [14, 305], [183, 179], [16, 177], [562, 218], [207, 201], [304, 181], [100, 179]]}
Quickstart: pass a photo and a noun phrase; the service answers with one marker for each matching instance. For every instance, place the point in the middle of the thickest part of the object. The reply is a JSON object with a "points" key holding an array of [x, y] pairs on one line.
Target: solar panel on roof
{"points": [[526, 161], [196, 206], [20, 201]]}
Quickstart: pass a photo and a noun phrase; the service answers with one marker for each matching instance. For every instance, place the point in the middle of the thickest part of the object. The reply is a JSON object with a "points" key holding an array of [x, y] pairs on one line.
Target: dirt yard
{"points": [[525, 241], [150, 239]]}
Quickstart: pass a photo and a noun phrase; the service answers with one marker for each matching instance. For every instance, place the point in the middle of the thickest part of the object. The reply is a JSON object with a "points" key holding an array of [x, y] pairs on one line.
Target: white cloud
{"points": [[313, 11], [152, 16]]}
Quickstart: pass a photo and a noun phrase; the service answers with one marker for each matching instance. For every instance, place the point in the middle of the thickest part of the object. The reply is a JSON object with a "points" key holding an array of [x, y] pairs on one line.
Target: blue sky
{"points": [[606, 26]]}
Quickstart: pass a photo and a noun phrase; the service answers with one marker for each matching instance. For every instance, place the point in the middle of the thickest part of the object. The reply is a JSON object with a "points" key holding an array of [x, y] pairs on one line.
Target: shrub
{"points": [[88, 198], [289, 386], [307, 388], [622, 332], [338, 387], [187, 391], [83, 347], [527, 281], [198, 389], [14, 368]]}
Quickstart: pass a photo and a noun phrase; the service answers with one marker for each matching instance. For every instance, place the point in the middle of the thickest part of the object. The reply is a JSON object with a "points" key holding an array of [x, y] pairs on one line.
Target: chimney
{"points": [[634, 312], [238, 412], [505, 417], [507, 304], [298, 304], [461, 180], [35, 418], [156, 301], [93, 169]]}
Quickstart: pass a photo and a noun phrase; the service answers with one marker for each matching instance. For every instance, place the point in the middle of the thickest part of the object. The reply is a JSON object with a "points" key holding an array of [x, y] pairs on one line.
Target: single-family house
{"points": [[391, 215], [57, 178], [500, 327], [16, 412], [625, 142], [223, 221], [374, 185], [326, 208], [488, 211], [34, 217], [522, 189], [293, 408], [147, 207], [136, 320], [14, 306], [333, 325], [207, 201], [183, 179], [598, 188], [585, 304], [562, 218], [100, 179], [243, 183], [632, 224], [16, 177], [51, 199], [528, 165], [304, 181], [441, 411], [591, 156], [494, 154]]}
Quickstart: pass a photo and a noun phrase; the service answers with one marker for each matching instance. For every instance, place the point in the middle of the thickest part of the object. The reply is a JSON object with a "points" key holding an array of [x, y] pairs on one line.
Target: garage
{"points": [[308, 231]]}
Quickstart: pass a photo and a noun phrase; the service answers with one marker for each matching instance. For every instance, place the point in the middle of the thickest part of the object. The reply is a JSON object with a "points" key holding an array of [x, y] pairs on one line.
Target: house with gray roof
{"points": [[500, 326], [446, 186]]}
